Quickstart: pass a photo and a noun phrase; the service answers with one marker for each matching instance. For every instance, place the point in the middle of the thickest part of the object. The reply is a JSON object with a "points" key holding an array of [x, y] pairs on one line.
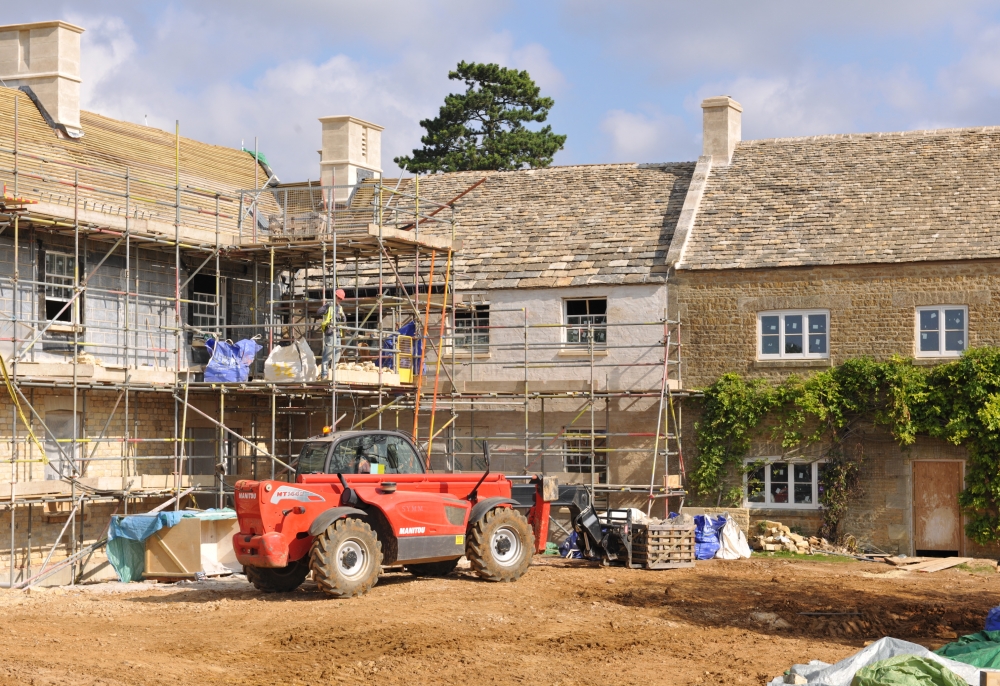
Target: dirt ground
{"points": [[563, 623]]}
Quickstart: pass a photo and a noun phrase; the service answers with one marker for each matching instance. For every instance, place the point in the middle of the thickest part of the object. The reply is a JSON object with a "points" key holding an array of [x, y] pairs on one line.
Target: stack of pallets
{"points": [[663, 546]]}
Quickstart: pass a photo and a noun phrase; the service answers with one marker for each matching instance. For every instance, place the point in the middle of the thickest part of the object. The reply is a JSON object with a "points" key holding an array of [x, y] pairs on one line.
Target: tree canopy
{"points": [[484, 128]]}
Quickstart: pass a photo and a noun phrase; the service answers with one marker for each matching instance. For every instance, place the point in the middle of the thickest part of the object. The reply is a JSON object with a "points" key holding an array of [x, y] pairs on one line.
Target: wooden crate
{"points": [[663, 546]]}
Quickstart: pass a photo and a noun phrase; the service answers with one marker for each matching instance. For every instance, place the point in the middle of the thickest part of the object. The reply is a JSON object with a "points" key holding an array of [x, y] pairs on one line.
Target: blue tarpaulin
{"points": [[141, 526], [230, 361]]}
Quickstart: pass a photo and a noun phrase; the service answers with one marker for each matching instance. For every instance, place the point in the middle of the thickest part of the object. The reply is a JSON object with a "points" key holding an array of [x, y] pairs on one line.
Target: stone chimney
{"points": [[722, 124], [45, 56], [352, 152]]}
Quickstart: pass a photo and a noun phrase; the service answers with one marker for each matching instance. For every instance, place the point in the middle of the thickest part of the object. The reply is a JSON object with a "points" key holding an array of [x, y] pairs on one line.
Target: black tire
{"points": [[346, 559], [500, 545], [443, 568], [278, 579]]}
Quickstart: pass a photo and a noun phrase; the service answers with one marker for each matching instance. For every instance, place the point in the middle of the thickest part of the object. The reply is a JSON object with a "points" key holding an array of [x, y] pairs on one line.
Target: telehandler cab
{"points": [[362, 500]]}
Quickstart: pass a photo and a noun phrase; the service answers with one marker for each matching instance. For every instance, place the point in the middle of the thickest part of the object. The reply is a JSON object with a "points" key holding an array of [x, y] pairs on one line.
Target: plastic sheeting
{"points": [[842, 673], [993, 620], [128, 558], [230, 361], [139, 527], [706, 536], [126, 536], [906, 670], [732, 541], [981, 650], [295, 362]]}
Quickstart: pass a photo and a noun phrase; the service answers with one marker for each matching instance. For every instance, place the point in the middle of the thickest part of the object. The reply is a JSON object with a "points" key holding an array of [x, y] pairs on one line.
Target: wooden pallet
{"points": [[663, 546]]}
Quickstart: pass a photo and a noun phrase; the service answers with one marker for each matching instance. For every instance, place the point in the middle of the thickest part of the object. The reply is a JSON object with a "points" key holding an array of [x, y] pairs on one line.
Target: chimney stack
{"points": [[722, 127], [352, 152], [45, 56]]}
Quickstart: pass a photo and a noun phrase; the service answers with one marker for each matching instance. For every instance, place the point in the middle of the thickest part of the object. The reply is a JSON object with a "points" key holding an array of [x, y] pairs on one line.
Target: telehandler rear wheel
{"points": [[500, 545], [443, 568], [346, 559], [278, 579]]}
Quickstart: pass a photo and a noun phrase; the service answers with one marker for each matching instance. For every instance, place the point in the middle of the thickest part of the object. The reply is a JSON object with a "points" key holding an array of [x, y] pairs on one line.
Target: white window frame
{"points": [[767, 504], [576, 450], [580, 327], [940, 352], [472, 334], [782, 355], [203, 311], [59, 287]]}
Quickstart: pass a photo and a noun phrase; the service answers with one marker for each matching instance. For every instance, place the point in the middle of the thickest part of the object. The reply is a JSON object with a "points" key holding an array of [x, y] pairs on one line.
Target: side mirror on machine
{"points": [[348, 498]]}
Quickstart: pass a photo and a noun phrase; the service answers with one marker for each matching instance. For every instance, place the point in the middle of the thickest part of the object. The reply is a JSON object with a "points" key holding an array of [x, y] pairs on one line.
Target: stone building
{"points": [[801, 253]]}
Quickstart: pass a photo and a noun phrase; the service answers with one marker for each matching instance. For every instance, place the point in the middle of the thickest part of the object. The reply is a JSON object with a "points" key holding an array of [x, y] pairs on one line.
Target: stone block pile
{"points": [[775, 537]]}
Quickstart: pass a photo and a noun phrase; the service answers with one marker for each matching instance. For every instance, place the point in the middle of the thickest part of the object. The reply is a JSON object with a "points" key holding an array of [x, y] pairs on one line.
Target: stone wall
{"points": [[871, 311]]}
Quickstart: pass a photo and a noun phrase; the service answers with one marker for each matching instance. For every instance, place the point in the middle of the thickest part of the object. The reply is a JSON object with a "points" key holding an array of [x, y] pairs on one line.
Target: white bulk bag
{"points": [[732, 541], [294, 362]]}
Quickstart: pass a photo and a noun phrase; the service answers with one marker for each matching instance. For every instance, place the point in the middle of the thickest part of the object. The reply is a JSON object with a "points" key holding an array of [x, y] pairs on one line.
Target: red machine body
{"points": [[416, 517]]}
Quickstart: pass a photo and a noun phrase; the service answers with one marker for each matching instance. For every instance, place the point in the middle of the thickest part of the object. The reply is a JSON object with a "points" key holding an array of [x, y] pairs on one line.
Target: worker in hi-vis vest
{"points": [[331, 317]]}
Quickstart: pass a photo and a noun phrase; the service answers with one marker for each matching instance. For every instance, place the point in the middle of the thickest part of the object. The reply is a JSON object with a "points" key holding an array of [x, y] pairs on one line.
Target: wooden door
{"points": [[937, 520]]}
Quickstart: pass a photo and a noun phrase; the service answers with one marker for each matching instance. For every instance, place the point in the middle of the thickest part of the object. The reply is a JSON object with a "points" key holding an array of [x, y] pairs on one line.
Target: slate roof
{"points": [[562, 226], [851, 199]]}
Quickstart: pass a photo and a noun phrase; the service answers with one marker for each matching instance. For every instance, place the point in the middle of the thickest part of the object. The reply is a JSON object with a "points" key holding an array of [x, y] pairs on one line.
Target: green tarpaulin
{"points": [[979, 650], [128, 557], [906, 670]]}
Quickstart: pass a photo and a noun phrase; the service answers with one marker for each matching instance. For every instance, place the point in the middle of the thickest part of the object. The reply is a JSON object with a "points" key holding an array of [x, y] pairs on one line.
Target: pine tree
{"points": [[484, 128]]}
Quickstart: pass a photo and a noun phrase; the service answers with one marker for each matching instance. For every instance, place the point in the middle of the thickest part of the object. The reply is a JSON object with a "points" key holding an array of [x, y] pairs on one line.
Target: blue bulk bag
{"points": [[230, 361], [993, 620], [706, 536]]}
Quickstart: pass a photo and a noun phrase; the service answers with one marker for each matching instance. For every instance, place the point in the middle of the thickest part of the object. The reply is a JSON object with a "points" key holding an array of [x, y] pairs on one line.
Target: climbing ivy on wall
{"points": [[958, 402]]}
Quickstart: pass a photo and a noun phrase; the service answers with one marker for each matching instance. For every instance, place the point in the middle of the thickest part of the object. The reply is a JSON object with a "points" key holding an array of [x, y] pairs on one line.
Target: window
{"points": [[576, 456], [472, 329], [375, 454], [60, 270], [942, 331], [312, 459], [775, 484], [793, 334], [206, 312], [584, 317], [203, 311], [62, 453]]}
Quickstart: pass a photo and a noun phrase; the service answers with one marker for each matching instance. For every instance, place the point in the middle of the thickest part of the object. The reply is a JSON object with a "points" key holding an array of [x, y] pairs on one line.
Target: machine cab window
{"points": [[375, 454], [312, 459]]}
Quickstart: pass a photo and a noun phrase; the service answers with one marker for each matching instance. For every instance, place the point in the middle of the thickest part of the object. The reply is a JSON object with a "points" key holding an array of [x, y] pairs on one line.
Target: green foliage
{"points": [[841, 482], [484, 128], [958, 402]]}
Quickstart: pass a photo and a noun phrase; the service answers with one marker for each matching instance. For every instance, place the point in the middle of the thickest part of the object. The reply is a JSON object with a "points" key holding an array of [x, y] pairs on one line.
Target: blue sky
{"points": [[627, 76]]}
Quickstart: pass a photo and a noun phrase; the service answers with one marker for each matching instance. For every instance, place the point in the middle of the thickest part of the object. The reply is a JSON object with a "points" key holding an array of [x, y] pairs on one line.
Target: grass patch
{"points": [[977, 568], [785, 555]]}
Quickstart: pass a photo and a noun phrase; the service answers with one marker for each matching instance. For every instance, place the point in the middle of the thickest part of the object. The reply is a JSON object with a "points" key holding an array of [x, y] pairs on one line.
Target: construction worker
{"points": [[331, 317]]}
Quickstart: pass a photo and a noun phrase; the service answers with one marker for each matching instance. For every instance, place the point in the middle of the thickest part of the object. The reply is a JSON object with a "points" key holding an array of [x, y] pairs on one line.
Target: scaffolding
{"points": [[265, 259]]}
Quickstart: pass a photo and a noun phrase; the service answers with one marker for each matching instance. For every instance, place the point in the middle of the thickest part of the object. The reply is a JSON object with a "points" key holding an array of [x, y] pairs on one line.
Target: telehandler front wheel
{"points": [[500, 545], [346, 559], [278, 579]]}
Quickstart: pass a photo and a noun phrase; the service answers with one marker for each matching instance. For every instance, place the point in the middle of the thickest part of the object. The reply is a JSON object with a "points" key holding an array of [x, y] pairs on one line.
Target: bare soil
{"points": [[563, 623]]}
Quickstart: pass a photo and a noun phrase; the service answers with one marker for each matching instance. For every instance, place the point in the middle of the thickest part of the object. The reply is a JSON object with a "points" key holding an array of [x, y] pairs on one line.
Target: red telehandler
{"points": [[362, 500]]}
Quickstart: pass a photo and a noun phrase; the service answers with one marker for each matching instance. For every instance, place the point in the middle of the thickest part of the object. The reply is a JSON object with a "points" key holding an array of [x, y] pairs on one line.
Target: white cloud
{"points": [[535, 59], [638, 137], [106, 45]]}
